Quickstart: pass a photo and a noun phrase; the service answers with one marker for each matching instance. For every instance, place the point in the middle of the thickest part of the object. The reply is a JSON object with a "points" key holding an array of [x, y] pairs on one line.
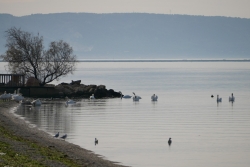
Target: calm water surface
{"points": [[204, 133]]}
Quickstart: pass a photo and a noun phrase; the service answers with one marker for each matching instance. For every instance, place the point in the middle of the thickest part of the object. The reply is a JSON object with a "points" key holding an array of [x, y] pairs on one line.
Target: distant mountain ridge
{"points": [[138, 35]]}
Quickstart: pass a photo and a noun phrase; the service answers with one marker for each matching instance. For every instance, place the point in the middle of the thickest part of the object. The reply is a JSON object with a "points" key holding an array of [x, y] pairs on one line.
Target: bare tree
{"points": [[26, 55]]}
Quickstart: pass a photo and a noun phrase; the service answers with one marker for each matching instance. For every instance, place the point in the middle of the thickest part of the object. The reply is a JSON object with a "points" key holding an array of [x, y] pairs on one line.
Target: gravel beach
{"points": [[33, 147]]}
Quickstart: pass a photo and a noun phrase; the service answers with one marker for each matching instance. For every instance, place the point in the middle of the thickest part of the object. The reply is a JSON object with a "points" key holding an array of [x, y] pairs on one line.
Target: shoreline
{"points": [[32, 143]]}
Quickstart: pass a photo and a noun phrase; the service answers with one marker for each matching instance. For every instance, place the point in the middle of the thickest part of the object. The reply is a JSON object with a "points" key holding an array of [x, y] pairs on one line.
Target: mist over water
{"points": [[204, 133]]}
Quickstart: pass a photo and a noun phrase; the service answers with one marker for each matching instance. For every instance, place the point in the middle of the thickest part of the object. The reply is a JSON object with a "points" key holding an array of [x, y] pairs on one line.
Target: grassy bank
{"points": [[16, 151], [21, 145]]}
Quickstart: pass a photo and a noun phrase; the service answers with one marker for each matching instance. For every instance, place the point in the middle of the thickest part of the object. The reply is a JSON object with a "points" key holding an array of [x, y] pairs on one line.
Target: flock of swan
{"points": [[17, 96], [154, 97]]}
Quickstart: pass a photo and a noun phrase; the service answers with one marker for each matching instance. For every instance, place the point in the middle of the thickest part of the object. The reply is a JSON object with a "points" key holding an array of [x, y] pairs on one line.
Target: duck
{"points": [[136, 98], [219, 99], [169, 141], [154, 97], [92, 97], [36, 102], [232, 98], [125, 96]]}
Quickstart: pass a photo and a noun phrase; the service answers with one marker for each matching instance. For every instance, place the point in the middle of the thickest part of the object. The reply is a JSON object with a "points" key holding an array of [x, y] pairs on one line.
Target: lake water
{"points": [[204, 133]]}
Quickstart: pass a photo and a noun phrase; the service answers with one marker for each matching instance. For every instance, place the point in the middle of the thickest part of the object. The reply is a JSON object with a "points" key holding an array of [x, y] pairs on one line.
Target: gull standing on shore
{"points": [[64, 136], [56, 135]]}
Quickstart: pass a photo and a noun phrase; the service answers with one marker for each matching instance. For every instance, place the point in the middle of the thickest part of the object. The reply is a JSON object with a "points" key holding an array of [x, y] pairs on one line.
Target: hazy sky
{"points": [[230, 8]]}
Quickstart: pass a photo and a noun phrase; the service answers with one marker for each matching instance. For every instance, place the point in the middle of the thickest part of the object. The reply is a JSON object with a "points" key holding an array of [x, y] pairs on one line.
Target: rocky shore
{"points": [[22, 145], [76, 89]]}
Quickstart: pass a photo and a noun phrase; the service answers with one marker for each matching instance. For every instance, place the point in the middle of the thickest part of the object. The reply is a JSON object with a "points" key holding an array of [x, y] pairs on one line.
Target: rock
{"points": [[84, 91], [75, 82], [101, 87], [64, 83], [100, 93]]}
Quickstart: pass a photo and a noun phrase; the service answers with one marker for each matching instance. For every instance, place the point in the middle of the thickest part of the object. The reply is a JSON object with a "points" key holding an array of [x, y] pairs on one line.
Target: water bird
{"points": [[135, 97], [154, 97], [17, 96], [5, 96], [232, 98], [219, 99], [96, 141], [64, 136], [125, 96], [56, 135], [36, 102], [70, 101], [92, 97], [169, 141]]}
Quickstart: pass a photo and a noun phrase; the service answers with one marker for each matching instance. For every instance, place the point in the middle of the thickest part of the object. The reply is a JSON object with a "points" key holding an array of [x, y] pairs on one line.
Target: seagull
{"points": [[169, 141], [64, 136], [96, 141], [56, 135]]}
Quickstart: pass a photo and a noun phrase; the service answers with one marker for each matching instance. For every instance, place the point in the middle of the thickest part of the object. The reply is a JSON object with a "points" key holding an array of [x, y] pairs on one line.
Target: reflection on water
{"points": [[204, 133], [137, 133]]}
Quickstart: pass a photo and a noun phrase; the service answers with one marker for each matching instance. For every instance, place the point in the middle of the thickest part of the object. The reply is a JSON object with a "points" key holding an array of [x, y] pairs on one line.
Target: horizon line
{"points": [[124, 13]]}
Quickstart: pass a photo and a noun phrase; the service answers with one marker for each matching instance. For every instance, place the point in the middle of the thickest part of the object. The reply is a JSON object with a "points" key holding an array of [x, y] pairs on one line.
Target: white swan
{"points": [[36, 102], [5, 96], [125, 96], [219, 99], [70, 101], [92, 97], [17, 96], [154, 97], [232, 98], [136, 98]]}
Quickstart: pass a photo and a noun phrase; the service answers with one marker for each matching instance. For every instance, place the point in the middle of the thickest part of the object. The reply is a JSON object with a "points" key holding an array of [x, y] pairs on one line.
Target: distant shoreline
{"points": [[163, 60]]}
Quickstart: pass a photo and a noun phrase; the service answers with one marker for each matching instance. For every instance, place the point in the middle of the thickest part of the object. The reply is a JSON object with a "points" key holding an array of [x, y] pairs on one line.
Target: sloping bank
{"points": [[22, 145]]}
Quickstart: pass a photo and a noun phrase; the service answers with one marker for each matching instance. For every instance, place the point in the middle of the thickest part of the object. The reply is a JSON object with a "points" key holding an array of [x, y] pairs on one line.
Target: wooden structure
{"points": [[12, 80]]}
